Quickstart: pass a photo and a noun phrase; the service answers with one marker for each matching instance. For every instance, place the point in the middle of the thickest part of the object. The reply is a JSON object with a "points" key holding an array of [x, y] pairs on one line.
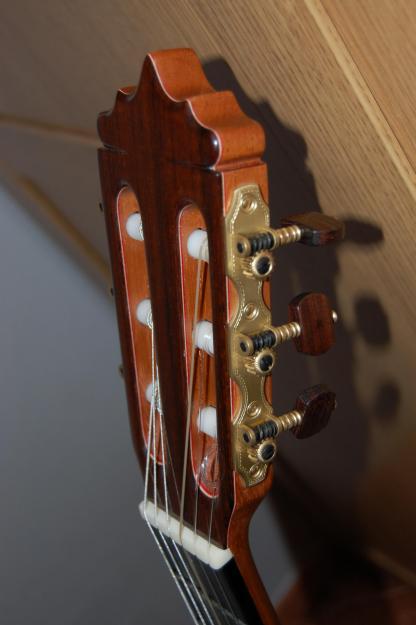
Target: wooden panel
{"points": [[330, 147], [66, 60], [380, 35]]}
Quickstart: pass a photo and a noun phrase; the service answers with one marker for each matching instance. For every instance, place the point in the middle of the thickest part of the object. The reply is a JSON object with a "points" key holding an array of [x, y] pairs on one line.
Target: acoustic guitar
{"points": [[185, 198]]}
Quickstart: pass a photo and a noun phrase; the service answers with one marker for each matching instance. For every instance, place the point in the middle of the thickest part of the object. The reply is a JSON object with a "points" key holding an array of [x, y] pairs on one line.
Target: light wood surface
{"points": [[380, 36], [332, 83]]}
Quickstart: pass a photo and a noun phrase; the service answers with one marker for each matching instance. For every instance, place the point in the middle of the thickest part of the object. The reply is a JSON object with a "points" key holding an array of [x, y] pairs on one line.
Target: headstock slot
{"points": [[203, 448], [137, 290]]}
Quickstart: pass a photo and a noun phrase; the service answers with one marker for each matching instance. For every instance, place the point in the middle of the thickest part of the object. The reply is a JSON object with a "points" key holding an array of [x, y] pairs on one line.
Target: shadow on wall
{"points": [[330, 464]]}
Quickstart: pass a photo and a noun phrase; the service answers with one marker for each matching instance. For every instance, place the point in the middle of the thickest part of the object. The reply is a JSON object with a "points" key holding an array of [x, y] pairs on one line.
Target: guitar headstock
{"points": [[185, 196]]}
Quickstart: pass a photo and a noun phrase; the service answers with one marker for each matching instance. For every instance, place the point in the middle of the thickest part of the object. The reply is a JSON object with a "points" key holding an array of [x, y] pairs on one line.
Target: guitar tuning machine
{"points": [[261, 363], [259, 266], [311, 413], [313, 229], [250, 243], [310, 326]]}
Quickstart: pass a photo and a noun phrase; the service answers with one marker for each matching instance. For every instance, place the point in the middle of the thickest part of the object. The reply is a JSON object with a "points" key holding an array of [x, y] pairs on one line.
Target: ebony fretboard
{"points": [[214, 597]]}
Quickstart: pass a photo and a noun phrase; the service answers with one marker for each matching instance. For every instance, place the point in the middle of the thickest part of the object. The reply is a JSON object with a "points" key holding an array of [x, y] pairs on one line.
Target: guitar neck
{"points": [[218, 596]]}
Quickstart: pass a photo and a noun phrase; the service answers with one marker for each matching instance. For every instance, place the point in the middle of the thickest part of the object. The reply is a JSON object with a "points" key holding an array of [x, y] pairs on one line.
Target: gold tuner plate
{"points": [[248, 213]]}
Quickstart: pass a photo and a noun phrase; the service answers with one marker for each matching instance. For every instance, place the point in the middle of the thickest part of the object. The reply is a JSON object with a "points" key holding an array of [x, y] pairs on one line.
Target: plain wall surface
{"points": [[73, 547]]}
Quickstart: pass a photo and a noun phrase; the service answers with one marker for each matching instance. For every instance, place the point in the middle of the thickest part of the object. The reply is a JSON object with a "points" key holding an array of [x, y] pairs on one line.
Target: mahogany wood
{"points": [[317, 228], [313, 312], [317, 404]]}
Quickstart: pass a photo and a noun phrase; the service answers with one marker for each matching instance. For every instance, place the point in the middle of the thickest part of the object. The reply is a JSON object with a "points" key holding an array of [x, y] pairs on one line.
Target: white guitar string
{"points": [[183, 590], [231, 614], [186, 566], [153, 533], [202, 364], [230, 611], [152, 435], [162, 442], [233, 617], [167, 511], [190, 388], [202, 255], [198, 479]]}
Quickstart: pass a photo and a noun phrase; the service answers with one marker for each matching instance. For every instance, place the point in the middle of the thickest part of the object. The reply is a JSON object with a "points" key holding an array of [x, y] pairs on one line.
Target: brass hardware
{"points": [[262, 265], [264, 362], [247, 435], [247, 213], [249, 244], [271, 337], [266, 452], [310, 415], [286, 332], [270, 428], [288, 420], [286, 236], [252, 338], [259, 266]]}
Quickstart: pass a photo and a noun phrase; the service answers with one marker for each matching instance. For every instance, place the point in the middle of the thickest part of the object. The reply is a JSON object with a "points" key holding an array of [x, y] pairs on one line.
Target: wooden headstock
{"points": [[174, 151], [185, 198]]}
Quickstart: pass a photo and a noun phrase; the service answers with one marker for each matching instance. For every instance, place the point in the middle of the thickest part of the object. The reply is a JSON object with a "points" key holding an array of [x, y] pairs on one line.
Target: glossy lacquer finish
{"points": [[176, 143]]}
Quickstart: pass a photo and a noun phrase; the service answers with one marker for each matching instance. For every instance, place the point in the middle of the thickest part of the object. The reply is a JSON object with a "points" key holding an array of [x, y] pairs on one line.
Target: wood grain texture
{"points": [[380, 35], [317, 405], [333, 144], [317, 229], [313, 312]]}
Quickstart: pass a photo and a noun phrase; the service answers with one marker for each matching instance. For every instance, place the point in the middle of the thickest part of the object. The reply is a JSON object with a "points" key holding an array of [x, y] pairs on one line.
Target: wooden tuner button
{"points": [[307, 228], [315, 317], [310, 415], [316, 228], [316, 405]]}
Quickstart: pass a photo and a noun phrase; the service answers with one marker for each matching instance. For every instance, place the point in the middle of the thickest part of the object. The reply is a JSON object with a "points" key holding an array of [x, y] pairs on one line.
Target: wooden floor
{"points": [[345, 591]]}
